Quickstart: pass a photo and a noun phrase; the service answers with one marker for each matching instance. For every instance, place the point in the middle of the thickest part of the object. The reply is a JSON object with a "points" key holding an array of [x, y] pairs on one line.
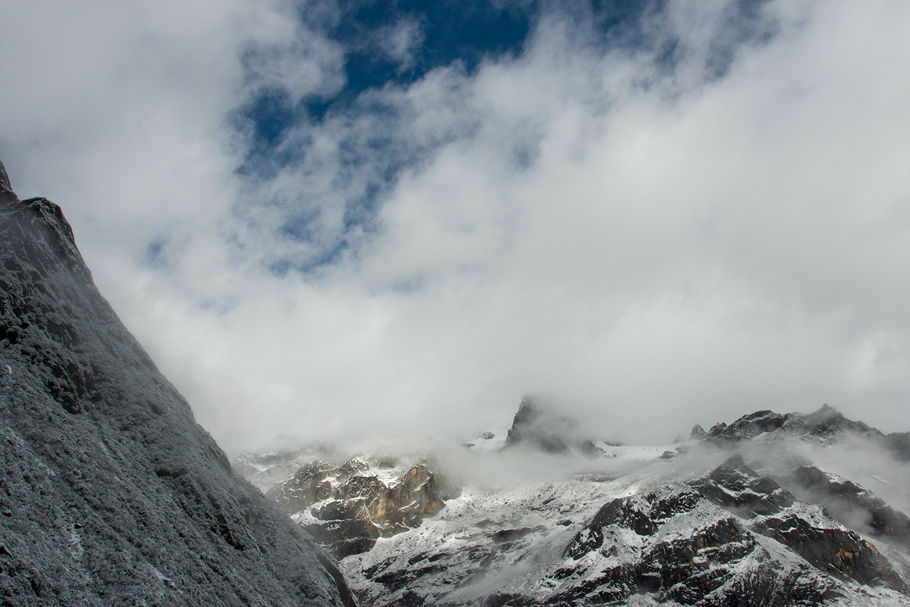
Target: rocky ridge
{"points": [[110, 493], [537, 426], [348, 507], [825, 424], [708, 522], [731, 537]]}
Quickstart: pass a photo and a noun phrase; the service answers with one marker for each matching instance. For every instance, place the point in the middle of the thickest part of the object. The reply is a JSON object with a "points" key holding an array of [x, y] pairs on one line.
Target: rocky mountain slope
{"points": [[824, 424], [347, 507], [762, 511], [539, 427], [110, 493]]}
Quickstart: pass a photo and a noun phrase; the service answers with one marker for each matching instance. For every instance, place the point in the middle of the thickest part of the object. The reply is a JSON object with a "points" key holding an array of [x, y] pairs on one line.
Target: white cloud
{"points": [[653, 248], [400, 41]]}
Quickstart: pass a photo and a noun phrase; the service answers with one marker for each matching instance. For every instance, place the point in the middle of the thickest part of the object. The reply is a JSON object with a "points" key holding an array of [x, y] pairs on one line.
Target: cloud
{"points": [[400, 41], [709, 220]]}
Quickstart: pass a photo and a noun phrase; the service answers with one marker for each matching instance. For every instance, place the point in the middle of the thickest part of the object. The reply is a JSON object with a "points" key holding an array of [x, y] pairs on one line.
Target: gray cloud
{"points": [[651, 244]]}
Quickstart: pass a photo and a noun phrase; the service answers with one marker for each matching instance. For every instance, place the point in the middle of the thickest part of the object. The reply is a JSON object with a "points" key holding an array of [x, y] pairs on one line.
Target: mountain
{"points": [[825, 423], [539, 426], [110, 493], [349, 507], [770, 510]]}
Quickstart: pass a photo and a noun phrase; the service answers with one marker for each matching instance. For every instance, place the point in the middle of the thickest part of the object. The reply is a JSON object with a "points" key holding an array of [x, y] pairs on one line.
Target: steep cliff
{"points": [[348, 507], [110, 493]]}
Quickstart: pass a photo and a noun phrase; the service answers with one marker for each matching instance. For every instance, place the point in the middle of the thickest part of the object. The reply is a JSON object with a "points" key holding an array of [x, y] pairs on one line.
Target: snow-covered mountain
{"points": [[772, 509], [110, 493]]}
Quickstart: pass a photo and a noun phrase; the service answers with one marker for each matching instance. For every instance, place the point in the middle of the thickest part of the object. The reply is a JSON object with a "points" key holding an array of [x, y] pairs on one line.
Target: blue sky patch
{"points": [[155, 254], [398, 43]]}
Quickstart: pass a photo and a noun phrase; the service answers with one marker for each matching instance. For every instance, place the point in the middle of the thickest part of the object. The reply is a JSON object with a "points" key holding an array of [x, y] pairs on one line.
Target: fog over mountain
{"points": [[344, 219], [768, 510], [111, 493]]}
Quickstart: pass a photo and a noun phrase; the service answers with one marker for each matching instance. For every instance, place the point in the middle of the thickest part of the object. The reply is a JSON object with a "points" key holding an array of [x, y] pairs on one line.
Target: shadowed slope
{"points": [[110, 493]]}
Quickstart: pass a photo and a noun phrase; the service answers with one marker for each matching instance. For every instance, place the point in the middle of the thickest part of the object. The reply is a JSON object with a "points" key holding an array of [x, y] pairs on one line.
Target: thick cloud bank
{"points": [[702, 213]]}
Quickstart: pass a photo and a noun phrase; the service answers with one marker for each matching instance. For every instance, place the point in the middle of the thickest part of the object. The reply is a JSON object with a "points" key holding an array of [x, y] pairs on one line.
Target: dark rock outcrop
{"points": [[737, 487], [730, 538], [748, 426], [537, 426], [698, 433], [5, 187], [110, 493], [702, 565], [851, 504], [706, 563], [733, 536], [824, 424], [899, 443], [832, 549]]}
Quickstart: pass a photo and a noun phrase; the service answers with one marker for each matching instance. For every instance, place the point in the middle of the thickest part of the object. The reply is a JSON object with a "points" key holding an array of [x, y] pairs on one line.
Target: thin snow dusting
{"points": [[510, 539], [109, 486]]}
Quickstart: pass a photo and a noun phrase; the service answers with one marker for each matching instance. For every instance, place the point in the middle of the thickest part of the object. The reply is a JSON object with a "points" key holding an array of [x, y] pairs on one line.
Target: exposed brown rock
{"points": [[349, 506]]}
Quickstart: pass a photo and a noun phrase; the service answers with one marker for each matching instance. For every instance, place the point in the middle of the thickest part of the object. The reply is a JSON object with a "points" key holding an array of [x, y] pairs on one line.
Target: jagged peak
{"points": [[4, 180], [538, 424], [531, 405], [697, 432], [48, 212], [824, 412], [51, 214], [100, 449], [822, 423], [58, 234]]}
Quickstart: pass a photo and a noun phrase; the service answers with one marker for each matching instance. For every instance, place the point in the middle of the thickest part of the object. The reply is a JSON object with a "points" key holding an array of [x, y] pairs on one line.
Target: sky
{"points": [[338, 220]]}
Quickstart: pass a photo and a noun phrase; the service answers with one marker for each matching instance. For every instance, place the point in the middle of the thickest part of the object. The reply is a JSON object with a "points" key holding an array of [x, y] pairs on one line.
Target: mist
{"points": [[652, 242]]}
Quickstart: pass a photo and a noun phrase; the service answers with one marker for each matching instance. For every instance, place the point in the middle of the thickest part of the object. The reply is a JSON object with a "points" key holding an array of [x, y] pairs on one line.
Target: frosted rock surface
{"points": [[110, 493]]}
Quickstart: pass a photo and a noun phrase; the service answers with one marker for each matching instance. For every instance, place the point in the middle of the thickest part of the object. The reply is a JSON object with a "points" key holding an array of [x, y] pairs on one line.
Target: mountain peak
{"points": [[39, 224], [51, 215], [110, 491], [823, 423], [537, 424], [4, 180]]}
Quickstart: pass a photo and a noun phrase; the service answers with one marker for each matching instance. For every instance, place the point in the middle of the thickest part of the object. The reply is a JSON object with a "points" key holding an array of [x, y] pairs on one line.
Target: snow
{"points": [[471, 520], [508, 530], [462, 536], [97, 482], [489, 441], [633, 452], [390, 476]]}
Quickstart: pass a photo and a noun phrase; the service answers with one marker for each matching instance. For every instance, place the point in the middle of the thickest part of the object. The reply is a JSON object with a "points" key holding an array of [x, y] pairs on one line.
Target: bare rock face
{"points": [[735, 486], [899, 443], [851, 504], [825, 424], [5, 186], [110, 493], [698, 433], [728, 538], [348, 507], [724, 553], [748, 426], [537, 426]]}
